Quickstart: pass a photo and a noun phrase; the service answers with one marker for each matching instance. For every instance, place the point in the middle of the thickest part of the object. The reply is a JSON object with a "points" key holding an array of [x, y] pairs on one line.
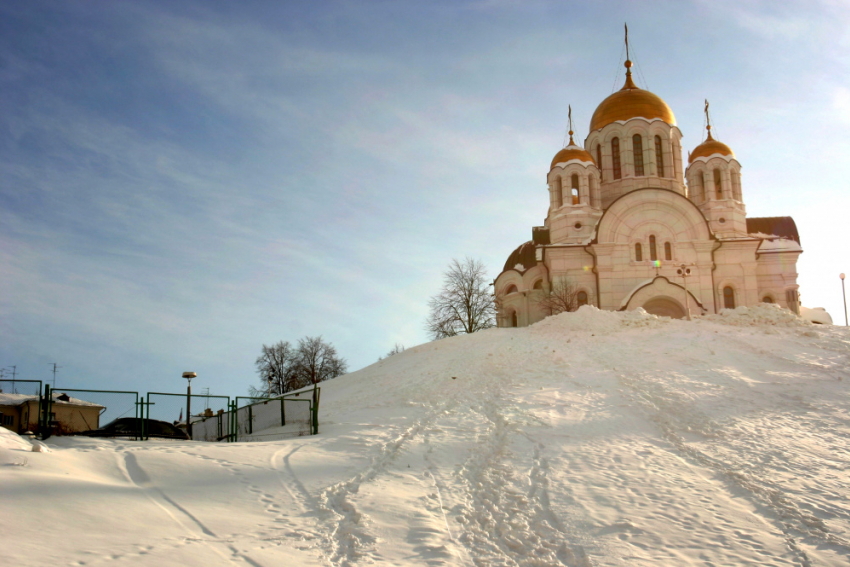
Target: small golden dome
{"points": [[572, 151], [630, 102], [709, 148]]}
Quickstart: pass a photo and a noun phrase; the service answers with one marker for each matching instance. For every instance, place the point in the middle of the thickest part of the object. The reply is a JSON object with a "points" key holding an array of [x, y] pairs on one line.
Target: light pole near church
{"points": [[188, 376], [845, 298], [685, 271]]}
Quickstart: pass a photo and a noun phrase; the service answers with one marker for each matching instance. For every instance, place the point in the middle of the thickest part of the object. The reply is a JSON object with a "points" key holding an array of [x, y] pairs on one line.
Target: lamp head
{"points": [[190, 375], [841, 276]]}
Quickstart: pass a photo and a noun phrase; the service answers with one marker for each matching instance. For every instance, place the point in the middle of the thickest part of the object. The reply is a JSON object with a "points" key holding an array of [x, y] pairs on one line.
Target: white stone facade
{"points": [[622, 223]]}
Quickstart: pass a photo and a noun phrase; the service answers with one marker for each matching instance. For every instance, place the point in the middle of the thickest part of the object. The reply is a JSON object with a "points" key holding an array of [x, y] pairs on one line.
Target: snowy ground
{"points": [[592, 438]]}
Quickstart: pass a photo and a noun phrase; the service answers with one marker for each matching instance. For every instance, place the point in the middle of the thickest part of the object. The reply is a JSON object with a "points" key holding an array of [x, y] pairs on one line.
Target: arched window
{"points": [[677, 151], [638, 252], [653, 253], [599, 157], [615, 157], [668, 251], [513, 319], [591, 186], [736, 186], [728, 297], [699, 197], [659, 156], [637, 147], [538, 284], [793, 300], [718, 188], [767, 299], [582, 298], [556, 190], [510, 290], [574, 188]]}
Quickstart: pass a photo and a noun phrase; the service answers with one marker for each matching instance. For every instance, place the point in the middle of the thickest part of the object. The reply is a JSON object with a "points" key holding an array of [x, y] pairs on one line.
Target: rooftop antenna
{"points": [[14, 373], [55, 367]]}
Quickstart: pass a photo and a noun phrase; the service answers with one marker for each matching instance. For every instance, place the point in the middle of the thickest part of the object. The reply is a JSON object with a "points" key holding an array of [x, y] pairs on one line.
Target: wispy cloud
{"points": [[182, 182]]}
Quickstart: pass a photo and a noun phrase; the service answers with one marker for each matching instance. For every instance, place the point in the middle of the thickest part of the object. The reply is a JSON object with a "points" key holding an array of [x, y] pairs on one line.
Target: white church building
{"points": [[627, 215]]}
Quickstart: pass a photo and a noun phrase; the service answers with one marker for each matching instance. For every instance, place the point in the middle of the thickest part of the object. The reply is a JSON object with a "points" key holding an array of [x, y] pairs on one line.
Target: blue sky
{"points": [[183, 182]]}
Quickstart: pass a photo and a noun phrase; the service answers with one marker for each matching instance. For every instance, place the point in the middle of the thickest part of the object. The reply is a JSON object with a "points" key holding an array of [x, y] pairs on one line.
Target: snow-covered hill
{"points": [[591, 438]]}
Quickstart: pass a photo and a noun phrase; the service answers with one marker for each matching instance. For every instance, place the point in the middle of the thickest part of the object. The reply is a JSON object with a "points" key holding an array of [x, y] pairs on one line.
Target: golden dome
{"points": [[709, 148], [572, 151], [630, 102]]}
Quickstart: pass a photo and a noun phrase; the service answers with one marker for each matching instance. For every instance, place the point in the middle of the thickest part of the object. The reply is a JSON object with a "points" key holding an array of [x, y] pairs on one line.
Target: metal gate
{"points": [[173, 407]]}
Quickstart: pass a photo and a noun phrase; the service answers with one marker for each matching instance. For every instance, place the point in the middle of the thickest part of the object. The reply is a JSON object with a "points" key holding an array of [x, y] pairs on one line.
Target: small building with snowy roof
{"points": [[20, 412], [628, 218]]}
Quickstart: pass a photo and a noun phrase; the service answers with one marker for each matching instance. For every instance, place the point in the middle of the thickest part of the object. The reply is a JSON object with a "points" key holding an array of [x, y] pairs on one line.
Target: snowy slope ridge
{"points": [[591, 438]]}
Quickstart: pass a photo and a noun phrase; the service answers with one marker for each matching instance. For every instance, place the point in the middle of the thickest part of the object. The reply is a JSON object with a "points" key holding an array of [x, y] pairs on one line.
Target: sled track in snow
{"points": [[134, 473], [795, 522], [349, 540], [507, 518]]}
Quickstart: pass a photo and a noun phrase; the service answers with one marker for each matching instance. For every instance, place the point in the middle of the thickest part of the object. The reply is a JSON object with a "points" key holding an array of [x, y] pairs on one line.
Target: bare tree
{"points": [[277, 367], [284, 368], [318, 361], [464, 304], [398, 348], [562, 296]]}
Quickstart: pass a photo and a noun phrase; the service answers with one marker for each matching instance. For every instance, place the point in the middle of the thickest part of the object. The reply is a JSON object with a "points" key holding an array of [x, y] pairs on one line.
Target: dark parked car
{"points": [[132, 427]]}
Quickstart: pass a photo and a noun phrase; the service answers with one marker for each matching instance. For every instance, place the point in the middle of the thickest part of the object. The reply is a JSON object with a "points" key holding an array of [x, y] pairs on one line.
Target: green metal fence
{"points": [[214, 418], [283, 416], [23, 387]]}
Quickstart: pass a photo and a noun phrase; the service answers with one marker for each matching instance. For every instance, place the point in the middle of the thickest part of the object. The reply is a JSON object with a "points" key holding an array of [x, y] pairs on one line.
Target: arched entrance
{"points": [[664, 307], [661, 297]]}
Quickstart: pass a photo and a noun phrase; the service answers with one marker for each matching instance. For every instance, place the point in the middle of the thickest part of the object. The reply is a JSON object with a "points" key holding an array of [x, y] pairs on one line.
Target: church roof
{"points": [[710, 147], [523, 258], [630, 102], [778, 226], [571, 152]]}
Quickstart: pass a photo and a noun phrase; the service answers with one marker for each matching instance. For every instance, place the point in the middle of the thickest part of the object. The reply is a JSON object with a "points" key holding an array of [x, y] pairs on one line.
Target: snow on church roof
{"points": [[523, 258], [776, 226]]}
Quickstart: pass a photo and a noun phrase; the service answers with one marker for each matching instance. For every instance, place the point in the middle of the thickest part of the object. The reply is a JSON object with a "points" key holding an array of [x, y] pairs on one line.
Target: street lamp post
{"points": [[845, 299], [685, 271], [188, 376]]}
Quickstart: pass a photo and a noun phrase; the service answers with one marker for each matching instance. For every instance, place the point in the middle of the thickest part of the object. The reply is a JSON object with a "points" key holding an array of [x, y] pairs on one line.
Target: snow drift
{"points": [[591, 438]]}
